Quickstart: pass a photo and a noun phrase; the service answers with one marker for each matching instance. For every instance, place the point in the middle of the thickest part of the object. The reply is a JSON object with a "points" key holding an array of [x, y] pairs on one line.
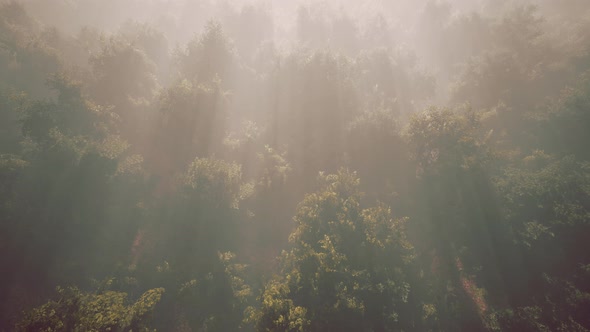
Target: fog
{"points": [[339, 165]]}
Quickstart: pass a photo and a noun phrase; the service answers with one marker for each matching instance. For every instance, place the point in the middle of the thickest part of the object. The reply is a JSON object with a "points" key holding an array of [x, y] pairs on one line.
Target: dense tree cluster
{"points": [[314, 166]]}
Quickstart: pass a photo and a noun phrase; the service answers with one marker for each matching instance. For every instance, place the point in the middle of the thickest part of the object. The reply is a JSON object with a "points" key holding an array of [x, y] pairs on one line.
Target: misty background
{"points": [[201, 165]]}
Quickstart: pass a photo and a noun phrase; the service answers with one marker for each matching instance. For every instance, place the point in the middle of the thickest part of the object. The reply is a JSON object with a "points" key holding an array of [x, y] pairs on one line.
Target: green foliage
{"points": [[214, 181], [565, 123], [312, 113], [71, 115], [555, 188], [275, 168], [277, 312], [123, 73], [207, 56], [148, 39], [392, 80], [443, 140], [546, 203], [345, 270], [10, 133], [192, 121], [105, 311], [218, 299], [561, 308], [374, 138], [26, 58]]}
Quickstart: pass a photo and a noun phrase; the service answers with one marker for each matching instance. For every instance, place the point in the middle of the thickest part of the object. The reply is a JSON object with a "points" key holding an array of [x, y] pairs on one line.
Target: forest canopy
{"points": [[263, 165]]}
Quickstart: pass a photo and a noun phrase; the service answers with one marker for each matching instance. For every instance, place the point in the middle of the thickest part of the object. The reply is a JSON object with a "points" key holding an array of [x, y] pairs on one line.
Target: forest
{"points": [[305, 165]]}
